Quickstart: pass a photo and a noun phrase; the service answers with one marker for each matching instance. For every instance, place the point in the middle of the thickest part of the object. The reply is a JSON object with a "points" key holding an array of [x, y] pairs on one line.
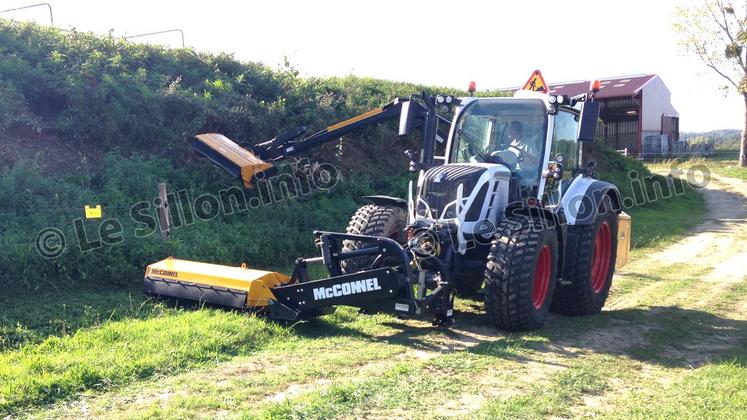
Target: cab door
{"points": [[564, 141]]}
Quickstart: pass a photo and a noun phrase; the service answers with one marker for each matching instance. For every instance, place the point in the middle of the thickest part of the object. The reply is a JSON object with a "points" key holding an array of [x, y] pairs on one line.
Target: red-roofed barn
{"points": [[637, 113]]}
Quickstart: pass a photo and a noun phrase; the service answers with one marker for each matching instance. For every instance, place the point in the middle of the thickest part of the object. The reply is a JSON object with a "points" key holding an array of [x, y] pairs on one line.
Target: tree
{"points": [[716, 32]]}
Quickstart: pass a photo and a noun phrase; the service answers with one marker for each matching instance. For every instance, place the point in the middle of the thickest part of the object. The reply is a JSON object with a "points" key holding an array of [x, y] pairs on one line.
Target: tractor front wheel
{"points": [[521, 274], [373, 220]]}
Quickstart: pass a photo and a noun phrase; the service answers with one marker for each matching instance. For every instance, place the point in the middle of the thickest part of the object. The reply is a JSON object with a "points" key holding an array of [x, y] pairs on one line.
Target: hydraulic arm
{"points": [[414, 112]]}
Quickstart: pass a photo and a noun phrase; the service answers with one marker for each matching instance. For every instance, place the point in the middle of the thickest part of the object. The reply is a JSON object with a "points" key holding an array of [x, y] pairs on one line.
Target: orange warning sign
{"points": [[536, 83]]}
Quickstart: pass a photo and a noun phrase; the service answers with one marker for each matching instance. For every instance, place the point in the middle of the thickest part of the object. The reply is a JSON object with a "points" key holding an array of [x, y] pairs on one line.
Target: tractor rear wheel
{"points": [[590, 266], [521, 273], [373, 220]]}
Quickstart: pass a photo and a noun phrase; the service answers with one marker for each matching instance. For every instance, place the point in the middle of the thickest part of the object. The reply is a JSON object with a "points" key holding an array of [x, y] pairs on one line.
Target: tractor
{"points": [[508, 209]]}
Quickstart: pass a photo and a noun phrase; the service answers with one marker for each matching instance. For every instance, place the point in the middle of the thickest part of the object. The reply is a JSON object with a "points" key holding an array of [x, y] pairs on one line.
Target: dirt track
{"points": [[718, 246]]}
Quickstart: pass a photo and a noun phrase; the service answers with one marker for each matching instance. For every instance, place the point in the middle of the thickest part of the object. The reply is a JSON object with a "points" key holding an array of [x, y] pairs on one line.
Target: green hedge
{"points": [[271, 235], [104, 92]]}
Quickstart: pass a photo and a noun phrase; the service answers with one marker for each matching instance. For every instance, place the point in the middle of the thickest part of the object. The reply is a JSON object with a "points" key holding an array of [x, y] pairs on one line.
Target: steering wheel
{"points": [[476, 151], [508, 158], [520, 153]]}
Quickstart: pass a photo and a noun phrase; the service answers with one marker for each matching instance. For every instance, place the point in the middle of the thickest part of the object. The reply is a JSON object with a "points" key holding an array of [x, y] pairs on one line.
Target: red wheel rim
{"points": [[542, 274], [600, 266]]}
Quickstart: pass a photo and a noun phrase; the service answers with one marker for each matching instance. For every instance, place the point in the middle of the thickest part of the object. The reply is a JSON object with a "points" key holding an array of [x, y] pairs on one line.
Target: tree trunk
{"points": [[743, 147]]}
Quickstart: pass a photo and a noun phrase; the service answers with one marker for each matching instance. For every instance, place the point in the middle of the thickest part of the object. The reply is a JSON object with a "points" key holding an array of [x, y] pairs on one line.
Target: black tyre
{"points": [[589, 266], [373, 220], [521, 274]]}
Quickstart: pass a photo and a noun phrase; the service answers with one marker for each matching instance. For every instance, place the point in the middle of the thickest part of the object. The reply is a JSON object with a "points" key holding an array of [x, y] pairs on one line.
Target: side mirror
{"points": [[587, 125]]}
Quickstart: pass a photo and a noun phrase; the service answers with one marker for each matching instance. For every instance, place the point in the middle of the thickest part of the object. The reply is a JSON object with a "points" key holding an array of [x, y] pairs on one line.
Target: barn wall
{"points": [[657, 101]]}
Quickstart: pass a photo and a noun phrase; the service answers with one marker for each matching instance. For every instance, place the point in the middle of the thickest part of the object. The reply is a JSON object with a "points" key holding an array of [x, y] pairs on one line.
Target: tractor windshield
{"points": [[506, 131]]}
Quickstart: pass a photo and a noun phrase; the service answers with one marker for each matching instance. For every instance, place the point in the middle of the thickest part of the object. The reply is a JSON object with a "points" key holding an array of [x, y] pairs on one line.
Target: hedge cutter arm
{"points": [[245, 163]]}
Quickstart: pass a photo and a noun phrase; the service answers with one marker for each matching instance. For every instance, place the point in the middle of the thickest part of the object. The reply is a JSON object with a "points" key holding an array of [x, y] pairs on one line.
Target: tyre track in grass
{"points": [[281, 371], [365, 348], [713, 302]]}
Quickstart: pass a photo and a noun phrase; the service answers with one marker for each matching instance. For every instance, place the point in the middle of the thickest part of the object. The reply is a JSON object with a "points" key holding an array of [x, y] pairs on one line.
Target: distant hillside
{"points": [[726, 139]]}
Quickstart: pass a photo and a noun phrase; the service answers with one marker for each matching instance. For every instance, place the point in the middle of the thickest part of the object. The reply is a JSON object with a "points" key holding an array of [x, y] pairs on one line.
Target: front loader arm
{"points": [[245, 164]]}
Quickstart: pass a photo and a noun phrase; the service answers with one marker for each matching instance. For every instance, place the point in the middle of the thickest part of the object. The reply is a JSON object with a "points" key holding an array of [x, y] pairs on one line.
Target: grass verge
{"points": [[557, 396], [651, 230], [727, 168], [120, 352], [716, 391]]}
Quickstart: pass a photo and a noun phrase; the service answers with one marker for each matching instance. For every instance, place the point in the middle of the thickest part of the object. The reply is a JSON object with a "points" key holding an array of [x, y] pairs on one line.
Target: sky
{"points": [[445, 43]]}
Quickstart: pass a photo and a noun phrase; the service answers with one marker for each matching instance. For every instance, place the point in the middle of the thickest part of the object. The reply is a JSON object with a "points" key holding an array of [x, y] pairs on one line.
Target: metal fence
{"points": [[126, 38]]}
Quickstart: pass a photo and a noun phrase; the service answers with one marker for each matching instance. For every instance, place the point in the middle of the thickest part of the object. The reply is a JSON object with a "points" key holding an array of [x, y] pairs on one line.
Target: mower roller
{"points": [[237, 287], [508, 209]]}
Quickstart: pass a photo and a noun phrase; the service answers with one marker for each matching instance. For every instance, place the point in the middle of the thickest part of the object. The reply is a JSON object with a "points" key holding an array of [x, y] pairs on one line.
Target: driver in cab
{"points": [[522, 148]]}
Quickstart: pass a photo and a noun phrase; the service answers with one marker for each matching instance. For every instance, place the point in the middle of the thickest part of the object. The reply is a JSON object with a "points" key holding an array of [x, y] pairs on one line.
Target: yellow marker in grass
{"points": [[93, 212]]}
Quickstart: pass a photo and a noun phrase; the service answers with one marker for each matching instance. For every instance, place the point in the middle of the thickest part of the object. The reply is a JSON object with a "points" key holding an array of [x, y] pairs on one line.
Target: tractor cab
{"points": [[536, 136], [503, 131], [501, 153]]}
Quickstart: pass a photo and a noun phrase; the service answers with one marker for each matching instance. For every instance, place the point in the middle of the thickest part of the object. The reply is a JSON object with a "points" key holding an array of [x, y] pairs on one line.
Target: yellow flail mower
{"points": [[281, 296], [509, 210], [237, 287]]}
